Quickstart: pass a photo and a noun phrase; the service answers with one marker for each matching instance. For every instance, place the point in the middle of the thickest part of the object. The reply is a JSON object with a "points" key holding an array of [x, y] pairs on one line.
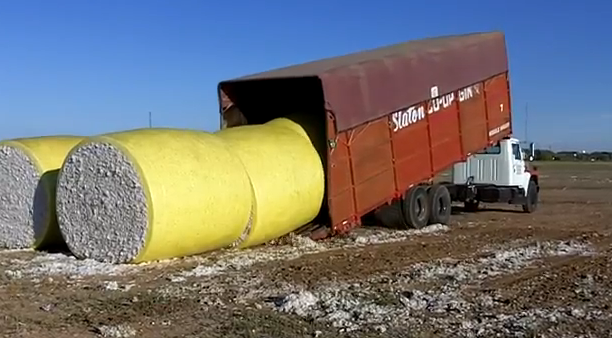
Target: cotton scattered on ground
{"points": [[385, 236], [296, 246], [211, 264], [116, 331], [116, 286], [62, 264], [431, 294]]}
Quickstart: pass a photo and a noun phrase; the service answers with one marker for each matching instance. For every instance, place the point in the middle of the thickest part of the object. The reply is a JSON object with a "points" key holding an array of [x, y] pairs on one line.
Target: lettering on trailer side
{"points": [[499, 129], [411, 115], [403, 119], [468, 93], [440, 103]]}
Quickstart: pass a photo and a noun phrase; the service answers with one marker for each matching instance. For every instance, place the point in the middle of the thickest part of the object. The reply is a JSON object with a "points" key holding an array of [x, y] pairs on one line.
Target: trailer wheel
{"points": [[531, 202], [416, 207], [391, 215], [440, 203]]}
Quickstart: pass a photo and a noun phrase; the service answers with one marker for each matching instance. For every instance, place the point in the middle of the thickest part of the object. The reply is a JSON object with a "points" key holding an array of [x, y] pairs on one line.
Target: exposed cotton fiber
{"points": [[28, 172], [151, 194]]}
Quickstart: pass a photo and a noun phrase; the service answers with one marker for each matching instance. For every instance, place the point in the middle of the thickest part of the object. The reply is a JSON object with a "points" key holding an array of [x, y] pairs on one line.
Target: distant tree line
{"points": [[549, 155]]}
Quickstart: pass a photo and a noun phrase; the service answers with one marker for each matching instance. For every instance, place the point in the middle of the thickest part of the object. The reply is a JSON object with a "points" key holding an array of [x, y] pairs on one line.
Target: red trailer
{"points": [[395, 117]]}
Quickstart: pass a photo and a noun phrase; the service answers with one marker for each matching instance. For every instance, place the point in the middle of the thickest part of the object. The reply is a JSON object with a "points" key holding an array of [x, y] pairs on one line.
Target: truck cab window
{"points": [[516, 151], [492, 150]]}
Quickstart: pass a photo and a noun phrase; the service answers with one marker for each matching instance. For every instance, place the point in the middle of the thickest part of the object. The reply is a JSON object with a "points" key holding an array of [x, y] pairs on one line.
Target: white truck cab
{"points": [[497, 174]]}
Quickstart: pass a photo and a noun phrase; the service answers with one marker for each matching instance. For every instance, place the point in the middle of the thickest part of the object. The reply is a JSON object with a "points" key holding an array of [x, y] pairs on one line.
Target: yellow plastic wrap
{"points": [[198, 193], [47, 153], [312, 127], [286, 174], [289, 124]]}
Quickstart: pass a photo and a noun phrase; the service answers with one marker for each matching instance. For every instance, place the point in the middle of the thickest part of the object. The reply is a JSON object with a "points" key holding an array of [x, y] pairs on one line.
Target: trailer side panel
{"points": [[381, 159]]}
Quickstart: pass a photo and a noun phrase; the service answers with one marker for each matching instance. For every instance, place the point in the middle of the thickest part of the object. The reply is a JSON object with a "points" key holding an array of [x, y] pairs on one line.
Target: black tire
{"points": [[440, 204], [416, 207], [531, 202], [391, 216], [471, 206]]}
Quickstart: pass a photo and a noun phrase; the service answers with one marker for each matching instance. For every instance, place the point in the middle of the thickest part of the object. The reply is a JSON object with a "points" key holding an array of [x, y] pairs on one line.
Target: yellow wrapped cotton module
{"points": [[28, 175], [286, 174], [151, 194]]}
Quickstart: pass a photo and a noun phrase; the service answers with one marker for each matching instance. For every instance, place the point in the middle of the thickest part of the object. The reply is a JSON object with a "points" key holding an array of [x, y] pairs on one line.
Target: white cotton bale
{"points": [[151, 194], [28, 174]]}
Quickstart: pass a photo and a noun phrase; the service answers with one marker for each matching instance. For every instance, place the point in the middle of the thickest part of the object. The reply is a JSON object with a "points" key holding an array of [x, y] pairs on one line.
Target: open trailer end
{"points": [[393, 119]]}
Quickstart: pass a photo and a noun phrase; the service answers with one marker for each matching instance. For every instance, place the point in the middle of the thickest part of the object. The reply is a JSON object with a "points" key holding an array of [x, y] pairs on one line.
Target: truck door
{"points": [[518, 167]]}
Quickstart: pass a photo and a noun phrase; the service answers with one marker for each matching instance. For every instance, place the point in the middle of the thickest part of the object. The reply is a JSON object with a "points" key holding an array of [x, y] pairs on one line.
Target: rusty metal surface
{"points": [[474, 124], [364, 86], [373, 163], [498, 107]]}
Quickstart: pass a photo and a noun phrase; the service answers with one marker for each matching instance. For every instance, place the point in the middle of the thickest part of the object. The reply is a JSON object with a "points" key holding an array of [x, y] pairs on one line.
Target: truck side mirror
{"points": [[531, 151]]}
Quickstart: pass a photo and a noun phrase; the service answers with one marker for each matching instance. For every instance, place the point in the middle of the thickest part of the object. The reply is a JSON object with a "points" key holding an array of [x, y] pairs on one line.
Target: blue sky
{"points": [[95, 66]]}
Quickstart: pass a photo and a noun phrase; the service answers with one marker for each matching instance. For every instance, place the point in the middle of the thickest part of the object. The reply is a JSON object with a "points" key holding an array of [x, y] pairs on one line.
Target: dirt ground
{"points": [[497, 272]]}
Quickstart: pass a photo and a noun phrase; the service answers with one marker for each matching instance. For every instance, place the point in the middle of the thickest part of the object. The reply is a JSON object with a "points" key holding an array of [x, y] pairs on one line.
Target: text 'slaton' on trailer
{"points": [[387, 121]]}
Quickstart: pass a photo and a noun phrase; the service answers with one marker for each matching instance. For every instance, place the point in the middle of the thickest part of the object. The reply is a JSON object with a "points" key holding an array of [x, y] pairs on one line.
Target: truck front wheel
{"points": [[440, 203], [531, 200], [416, 207]]}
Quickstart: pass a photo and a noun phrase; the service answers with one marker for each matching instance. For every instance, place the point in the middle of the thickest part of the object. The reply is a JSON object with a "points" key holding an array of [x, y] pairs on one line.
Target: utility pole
{"points": [[526, 121], [150, 120]]}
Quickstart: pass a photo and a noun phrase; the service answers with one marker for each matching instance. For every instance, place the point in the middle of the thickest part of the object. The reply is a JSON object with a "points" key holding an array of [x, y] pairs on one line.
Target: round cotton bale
{"points": [[284, 122], [311, 126], [28, 174], [286, 175], [151, 194]]}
